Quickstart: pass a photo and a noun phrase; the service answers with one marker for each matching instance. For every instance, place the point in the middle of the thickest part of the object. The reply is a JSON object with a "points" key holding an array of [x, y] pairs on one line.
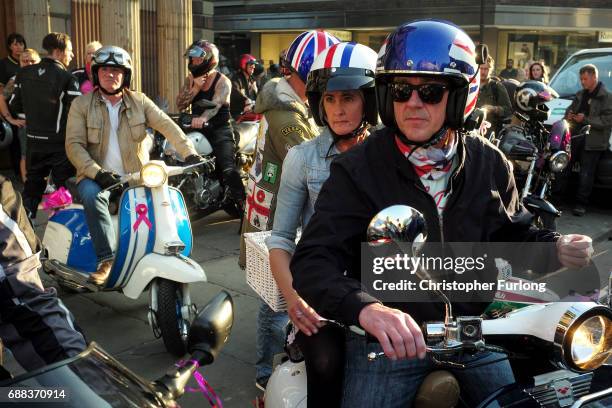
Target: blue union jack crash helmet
{"points": [[304, 49], [432, 48]]}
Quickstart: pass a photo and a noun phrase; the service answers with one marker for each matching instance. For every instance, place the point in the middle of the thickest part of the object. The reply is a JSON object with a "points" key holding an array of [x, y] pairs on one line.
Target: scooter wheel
{"points": [[173, 327]]}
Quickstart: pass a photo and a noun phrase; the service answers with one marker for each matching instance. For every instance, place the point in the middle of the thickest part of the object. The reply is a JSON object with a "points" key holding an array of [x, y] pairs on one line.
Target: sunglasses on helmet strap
{"points": [[428, 93]]}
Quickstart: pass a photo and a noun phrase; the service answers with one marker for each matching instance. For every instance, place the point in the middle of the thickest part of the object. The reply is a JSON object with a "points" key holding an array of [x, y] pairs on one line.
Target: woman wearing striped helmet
{"points": [[286, 123], [341, 95]]}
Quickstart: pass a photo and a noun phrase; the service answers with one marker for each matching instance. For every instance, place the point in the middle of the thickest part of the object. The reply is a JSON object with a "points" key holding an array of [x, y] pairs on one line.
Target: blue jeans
{"points": [[95, 205], [271, 328], [386, 383]]}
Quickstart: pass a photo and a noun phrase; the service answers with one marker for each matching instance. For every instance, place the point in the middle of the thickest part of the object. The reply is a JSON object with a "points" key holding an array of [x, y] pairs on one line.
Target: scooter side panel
{"points": [[136, 233], [183, 226], [81, 255], [152, 266]]}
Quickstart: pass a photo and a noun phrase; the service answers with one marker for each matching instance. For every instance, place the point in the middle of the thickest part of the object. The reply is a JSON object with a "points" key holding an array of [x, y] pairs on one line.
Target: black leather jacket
{"points": [[44, 92], [483, 206]]}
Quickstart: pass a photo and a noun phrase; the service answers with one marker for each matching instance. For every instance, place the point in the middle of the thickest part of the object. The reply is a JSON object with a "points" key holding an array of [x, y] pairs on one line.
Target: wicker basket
{"points": [[258, 274]]}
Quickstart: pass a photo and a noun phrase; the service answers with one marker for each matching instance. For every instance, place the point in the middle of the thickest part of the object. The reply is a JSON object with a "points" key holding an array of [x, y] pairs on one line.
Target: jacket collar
{"points": [[54, 62], [126, 100], [323, 141], [277, 94], [601, 91]]}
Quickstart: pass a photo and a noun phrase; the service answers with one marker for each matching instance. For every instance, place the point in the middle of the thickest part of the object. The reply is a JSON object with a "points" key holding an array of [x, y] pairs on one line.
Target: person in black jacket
{"points": [[15, 44], [34, 324], [43, 92], [244, 87], [463, 186]]}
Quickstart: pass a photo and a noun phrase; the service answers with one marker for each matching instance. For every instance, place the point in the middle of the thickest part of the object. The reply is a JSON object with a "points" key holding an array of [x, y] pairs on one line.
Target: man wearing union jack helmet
{"points": [[286, 122], [427, 84]]}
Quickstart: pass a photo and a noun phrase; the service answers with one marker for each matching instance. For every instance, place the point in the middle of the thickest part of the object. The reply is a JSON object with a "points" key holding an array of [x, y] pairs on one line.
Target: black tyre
{"points": [[174, 329], [546, 220]]}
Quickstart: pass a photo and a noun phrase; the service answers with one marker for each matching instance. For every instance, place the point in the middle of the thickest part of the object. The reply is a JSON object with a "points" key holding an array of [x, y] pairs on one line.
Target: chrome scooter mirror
{"points": [[405, 224], [398, 223]]}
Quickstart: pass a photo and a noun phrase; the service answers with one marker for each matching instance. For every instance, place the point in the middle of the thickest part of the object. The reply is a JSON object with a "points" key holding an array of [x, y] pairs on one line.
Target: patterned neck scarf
{"points": [[432, 162]]}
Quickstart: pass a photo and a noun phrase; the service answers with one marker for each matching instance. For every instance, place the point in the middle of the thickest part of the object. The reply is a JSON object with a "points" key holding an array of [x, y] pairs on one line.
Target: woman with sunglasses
{"points": [[205, 82], [340, 91]]}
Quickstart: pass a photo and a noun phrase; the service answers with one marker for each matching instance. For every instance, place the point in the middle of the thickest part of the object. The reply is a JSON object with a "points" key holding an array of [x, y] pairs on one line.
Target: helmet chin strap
{"points": [[434, 139], [358, 131], [105, 92]]}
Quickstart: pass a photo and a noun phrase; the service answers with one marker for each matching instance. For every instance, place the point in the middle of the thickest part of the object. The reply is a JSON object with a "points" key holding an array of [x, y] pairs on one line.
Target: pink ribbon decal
{"points": [[142, 210]]}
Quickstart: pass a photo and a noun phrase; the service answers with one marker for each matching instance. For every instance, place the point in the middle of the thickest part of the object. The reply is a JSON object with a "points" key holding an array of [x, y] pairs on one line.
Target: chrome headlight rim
{"points": [[560, 156], [153, 175], [570, 321]]}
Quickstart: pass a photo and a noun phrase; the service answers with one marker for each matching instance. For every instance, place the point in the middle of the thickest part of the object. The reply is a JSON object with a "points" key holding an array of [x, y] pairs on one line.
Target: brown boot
{"points": [[100, 276]]}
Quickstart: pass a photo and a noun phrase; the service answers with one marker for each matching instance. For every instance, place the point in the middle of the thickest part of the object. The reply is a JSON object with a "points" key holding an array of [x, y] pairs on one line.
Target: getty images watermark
{"points": [[459, 265], [475, 272]]}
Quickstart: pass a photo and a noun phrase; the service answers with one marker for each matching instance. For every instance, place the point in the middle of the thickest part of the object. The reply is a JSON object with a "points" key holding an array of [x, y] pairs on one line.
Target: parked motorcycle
{"points": [[203, 192], [154, 244], [95, 379], [538, 156], [558, 351]]}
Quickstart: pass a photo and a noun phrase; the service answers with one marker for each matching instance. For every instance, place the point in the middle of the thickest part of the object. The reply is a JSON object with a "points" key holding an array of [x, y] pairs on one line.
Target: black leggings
{"points": [[221, 139], [324, 357], [39, 164]]}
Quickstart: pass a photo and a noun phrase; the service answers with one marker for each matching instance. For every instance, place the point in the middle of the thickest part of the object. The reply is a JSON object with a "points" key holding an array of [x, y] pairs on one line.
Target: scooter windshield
{"points": [[92, 379]]}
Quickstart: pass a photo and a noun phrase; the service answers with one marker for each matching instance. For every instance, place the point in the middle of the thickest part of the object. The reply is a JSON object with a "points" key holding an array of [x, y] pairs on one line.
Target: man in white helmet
{"points": [[105, 139]]}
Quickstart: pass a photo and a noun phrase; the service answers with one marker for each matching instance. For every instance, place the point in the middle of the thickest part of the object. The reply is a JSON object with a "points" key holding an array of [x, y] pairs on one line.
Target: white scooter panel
{"points": [[137, 230]]}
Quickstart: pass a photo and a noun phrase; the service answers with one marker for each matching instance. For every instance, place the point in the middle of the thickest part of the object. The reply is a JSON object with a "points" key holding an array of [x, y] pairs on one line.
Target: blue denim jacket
{"points": [[305, 169]]}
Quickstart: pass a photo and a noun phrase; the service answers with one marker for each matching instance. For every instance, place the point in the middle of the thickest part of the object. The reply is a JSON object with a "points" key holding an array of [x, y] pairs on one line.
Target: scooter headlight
{"points": [[584, 337], [559, 161], [153, 174], [591, 344]]}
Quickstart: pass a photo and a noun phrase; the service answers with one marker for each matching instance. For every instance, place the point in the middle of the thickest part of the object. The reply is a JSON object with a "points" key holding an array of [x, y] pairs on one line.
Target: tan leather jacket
{"points": [[88, 128]]}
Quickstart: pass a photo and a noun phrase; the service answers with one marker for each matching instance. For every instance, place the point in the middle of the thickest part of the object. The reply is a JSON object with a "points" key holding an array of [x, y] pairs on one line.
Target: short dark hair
{"points": [[15, 37], [590, 68], [55, 41]]}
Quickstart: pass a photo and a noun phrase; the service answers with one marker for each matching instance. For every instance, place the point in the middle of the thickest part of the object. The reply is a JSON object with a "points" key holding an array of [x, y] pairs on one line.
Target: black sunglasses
{"points": [[428, 93]]}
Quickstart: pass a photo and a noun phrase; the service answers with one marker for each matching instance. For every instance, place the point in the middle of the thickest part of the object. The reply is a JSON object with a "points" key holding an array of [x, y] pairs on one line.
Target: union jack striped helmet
{"points": [[433, 48], [305, 48], [343, 66]]}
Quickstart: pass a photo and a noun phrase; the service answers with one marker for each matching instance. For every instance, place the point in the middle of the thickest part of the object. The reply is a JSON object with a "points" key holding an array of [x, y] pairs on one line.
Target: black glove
{"points": [[207, 164], [107, 178]]}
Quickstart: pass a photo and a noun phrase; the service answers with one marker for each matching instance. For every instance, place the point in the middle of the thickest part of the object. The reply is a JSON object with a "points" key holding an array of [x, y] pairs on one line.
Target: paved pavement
{"points": [[120, 325]]}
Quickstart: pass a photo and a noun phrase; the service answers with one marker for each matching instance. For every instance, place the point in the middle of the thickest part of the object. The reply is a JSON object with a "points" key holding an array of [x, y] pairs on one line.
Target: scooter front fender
{"points": [[175, 268]]}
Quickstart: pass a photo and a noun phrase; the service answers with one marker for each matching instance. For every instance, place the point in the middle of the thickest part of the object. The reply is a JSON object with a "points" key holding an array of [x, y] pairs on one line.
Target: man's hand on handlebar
{"points": [[198, 123], [107, 178], [398, 334], [194, 159]]}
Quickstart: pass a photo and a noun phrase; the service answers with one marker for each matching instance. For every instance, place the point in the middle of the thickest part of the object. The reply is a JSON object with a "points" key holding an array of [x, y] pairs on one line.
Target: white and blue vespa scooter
{"points": [[153, 247]]}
